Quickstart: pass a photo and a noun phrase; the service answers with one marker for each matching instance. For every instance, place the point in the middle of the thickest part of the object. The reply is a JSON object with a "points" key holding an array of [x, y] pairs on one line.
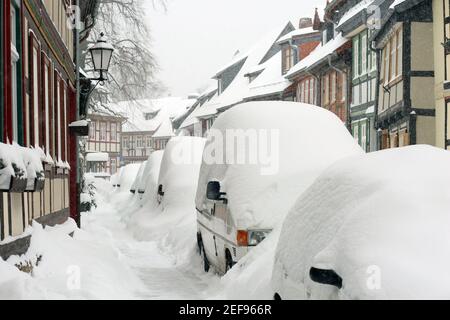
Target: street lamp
{"points": [[101, 54]]}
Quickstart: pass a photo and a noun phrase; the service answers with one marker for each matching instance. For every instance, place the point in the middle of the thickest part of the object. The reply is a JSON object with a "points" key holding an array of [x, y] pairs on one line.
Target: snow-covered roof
{"points": [[297, 33], [97, 157], [259, 195], [238, 89], [353, 11], [388, 210], [165, 130], [270, 81], [162, 109], [318, 54]]}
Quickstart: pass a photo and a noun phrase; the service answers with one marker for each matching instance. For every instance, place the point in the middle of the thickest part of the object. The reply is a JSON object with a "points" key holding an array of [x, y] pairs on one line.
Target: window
{"points": [[311, 91], [333, 86], [344, 86], [149, 142], [92, 130], [113, 166], [58, 106], [393, 61], [399, 52], [364, 54], [386, 54], [35, 97], [126, 143], [139, 143], [113, 131], [356, 57], [326, 83], [45, 129], [288, 59], [364, 136], [301, 92], [102, 131], [14, 76]]}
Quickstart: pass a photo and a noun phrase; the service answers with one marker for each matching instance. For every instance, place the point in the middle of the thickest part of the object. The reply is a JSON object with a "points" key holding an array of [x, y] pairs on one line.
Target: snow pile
{"points": [[20, 162], [261, 193], [97, 157], [86, 266], [173, 221], [380, 221]]}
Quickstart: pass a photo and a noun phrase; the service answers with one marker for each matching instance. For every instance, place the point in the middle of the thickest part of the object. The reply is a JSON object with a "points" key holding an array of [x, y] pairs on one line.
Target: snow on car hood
{"points": [[380, 221], [309, 140]]}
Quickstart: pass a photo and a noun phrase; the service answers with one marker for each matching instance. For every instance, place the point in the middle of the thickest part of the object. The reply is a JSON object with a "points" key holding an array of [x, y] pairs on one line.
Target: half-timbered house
{"points": [[38, 101], [405, 103]]}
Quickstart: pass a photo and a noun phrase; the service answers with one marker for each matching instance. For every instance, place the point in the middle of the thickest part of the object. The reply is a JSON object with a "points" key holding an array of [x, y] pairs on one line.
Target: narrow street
{"points": [[161, 277]]}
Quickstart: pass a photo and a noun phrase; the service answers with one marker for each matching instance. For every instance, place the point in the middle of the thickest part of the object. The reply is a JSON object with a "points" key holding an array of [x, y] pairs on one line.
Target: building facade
{"points": [[441, 36], [38, 101], [105, 136], [405, 115], [137, 146]]}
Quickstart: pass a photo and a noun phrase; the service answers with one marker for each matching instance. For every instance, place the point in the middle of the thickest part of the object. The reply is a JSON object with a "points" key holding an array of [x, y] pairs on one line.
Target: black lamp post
{"points": [[101, 54]]}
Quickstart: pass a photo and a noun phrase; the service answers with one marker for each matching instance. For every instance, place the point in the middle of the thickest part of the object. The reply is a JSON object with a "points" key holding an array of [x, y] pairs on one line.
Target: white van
{"points": [[259, 156]]}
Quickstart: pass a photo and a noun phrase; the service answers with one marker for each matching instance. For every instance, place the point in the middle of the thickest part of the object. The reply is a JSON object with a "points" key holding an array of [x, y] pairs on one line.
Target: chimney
{"points": [[317, 23], [305, 23]]}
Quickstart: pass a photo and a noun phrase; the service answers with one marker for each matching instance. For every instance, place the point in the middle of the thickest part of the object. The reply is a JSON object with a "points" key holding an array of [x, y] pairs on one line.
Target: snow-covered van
{"points": [[127, 176], [259, 156], [371, 227], [139, 177], [151, 173]]}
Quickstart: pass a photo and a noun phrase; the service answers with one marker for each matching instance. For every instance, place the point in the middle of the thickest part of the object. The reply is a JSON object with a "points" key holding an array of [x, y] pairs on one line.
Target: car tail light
{"points": [[242, 238]]}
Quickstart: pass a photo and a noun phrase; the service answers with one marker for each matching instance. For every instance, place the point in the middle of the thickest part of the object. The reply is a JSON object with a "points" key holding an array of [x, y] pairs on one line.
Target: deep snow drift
{"points": [[383, 217]]}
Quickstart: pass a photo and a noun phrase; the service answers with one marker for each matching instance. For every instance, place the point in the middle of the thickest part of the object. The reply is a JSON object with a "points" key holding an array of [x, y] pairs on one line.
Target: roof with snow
{"points": [[317, 55], [297, 33], [149, 115], [165, 130], [239, 88]]}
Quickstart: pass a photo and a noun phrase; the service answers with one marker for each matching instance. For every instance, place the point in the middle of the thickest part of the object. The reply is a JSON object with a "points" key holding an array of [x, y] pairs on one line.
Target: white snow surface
{"points": [[139, 177], [386, 214], [128, 175], [97, 157], [258, 201], [150, 175]]}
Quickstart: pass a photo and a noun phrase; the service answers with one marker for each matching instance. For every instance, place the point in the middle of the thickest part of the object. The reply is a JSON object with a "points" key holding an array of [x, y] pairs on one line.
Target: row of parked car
{"points": [[353, 225]]}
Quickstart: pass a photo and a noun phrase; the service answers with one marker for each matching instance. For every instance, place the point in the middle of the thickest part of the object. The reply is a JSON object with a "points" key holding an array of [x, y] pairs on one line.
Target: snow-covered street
{"points": [[160, 275]]}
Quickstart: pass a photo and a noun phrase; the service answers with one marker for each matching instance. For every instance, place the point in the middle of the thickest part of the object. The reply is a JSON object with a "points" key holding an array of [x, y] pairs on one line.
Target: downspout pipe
{"points": [[348, 93], [377, 92]]}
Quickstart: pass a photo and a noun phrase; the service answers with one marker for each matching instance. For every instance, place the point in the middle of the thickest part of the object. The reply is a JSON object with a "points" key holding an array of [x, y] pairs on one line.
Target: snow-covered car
{"points": [[371, 227], [179, 171], [287, 146], [150, 176], [127, 176], [139, 177]]}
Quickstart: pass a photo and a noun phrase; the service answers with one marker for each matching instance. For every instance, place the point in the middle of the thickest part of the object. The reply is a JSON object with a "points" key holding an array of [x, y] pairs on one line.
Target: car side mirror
{"points": [[160, 190], [328, 277], [213, 192]]}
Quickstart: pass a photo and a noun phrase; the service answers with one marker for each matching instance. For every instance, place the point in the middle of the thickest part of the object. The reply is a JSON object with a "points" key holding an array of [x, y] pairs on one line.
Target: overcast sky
{"points": [[196, 37]]}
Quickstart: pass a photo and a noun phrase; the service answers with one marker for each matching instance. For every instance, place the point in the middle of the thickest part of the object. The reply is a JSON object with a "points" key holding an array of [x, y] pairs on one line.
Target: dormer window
{"points": [[288, 59]]}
